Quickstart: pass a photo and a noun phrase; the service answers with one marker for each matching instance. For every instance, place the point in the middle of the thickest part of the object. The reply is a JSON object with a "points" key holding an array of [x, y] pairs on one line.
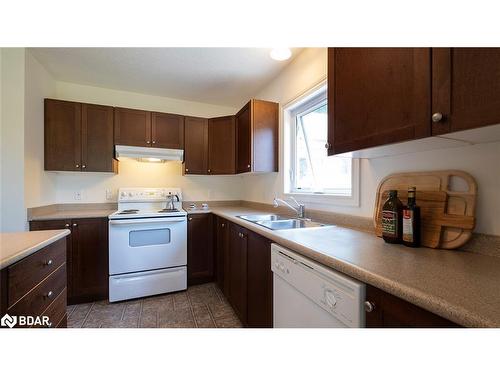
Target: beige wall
{"points": [[39, 185], [134, 174], [12, 140], [479, 160]]}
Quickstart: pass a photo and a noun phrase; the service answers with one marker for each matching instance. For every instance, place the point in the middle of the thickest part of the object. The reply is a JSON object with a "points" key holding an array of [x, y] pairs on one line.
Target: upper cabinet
{"points": [[78, 137], [167, 130], [221, 145], [377, 96], [381, 96], [195, 145], [132, 127], [257, 137], [465, 88]]}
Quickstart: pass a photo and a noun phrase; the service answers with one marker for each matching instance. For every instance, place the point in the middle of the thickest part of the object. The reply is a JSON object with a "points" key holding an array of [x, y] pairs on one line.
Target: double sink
{"points": [[277, 222]]}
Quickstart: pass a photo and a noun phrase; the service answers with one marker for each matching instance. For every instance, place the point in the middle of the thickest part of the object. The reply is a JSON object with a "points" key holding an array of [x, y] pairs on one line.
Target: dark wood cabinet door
{"points": [[243, 140], [90, 259], [377, 96], [167, 130], [265, 119], [392, 312], [60, 224], [195, 145], [200, 262], [132, 127], [259, 282], [63, 150], [238, 238], [97, 138], [221, 145], [465, 88], [222, 254]]}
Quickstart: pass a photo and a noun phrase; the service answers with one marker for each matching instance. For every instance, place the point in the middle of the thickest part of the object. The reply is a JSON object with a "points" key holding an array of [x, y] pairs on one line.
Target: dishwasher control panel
{"points": [[338, 294]]}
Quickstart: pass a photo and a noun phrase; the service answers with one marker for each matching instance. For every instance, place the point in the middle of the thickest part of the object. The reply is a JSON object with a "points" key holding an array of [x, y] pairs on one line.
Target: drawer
{"points": [[27, 273], [55, 311], [38, 299]]}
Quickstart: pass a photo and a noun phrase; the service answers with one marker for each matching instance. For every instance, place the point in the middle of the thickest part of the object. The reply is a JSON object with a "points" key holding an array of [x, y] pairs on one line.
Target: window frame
{"points": [[305, 103]]}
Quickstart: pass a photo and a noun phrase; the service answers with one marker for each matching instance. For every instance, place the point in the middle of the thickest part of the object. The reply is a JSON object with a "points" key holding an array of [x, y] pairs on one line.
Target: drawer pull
{"points": [[48, 263], [49, 294], [66, 225]]}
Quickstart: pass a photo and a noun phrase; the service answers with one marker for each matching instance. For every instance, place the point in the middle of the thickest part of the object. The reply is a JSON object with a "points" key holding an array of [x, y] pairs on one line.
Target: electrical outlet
{"points": [[109, 194], [78, 195]]}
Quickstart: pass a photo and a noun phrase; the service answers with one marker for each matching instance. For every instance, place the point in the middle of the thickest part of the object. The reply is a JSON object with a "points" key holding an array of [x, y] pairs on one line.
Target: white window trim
{"points": [[289, 110]]}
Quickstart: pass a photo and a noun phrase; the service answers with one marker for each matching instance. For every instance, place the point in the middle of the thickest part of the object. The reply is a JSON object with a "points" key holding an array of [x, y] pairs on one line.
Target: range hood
{"points": [[149, 154]]}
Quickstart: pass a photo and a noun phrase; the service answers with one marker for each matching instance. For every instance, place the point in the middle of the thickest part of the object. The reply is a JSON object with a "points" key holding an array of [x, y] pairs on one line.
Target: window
{"points": [[311, 171]]}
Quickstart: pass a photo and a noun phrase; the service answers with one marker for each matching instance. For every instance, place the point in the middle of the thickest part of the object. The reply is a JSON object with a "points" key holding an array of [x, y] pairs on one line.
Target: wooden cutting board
{"points": [[447, 200]]}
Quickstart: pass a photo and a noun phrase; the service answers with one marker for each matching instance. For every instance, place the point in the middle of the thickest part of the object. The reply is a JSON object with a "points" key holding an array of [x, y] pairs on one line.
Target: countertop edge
{"points": [[33, 249], [417, 297]]}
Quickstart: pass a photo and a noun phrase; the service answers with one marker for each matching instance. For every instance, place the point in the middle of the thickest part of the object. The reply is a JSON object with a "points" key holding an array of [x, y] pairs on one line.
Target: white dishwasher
{"points": [[309, 295]]}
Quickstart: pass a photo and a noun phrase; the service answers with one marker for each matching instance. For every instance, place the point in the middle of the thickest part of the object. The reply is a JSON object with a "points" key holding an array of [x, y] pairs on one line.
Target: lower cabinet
{"points": [[387, 311], [86, 257], [200, 257], [247, 275], [221, 247]]}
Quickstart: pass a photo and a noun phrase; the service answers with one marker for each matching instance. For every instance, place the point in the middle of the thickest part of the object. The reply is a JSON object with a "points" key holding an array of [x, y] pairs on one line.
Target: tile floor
{"points": [[201, 306]]}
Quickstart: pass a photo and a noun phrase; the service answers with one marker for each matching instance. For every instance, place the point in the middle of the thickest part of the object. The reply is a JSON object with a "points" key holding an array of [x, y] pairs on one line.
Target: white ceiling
{"points": [[223, 76]]}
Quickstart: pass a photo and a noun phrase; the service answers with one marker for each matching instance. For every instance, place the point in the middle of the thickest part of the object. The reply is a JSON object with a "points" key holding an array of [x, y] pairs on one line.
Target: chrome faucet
{"points": [[300, 209]]}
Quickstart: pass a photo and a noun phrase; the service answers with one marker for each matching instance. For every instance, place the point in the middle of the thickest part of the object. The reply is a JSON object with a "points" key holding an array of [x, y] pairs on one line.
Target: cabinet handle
{"points": [[223, 225], [77, 166], [49, 294], [66, 225], [190, 219], [148, 142], [436, 117], [75, 224], [248, 166], [84, 166], [187, 170], [328, 145], [154, 142], [48, 263], [369, 306], [209, 171]]}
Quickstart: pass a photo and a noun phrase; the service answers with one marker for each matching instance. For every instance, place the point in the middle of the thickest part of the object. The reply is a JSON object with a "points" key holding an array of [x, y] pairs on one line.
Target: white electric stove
{"points": [[147, 243]]}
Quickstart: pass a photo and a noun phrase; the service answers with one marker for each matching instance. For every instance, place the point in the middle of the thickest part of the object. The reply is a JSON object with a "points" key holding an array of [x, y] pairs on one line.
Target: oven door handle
{"points": [[147, 221]]}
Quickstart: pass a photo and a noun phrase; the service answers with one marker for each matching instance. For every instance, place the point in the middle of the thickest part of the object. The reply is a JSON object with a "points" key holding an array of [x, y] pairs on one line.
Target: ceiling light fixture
{"points": [[280, 54]]}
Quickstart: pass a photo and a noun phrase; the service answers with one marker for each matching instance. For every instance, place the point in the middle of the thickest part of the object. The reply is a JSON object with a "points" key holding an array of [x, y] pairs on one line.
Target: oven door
{"points": [[147, 244]]}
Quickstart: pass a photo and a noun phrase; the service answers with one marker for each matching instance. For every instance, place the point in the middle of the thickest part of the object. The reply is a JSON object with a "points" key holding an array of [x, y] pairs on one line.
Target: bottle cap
{"points": [[393, 193]]}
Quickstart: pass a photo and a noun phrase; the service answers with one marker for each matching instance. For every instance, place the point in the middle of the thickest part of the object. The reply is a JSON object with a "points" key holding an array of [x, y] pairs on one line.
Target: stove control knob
{"points": [[130, 195], [123, 194]]}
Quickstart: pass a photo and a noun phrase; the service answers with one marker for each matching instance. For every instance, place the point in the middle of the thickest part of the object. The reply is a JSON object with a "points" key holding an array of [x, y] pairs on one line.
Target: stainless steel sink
{"points": [[256, 218], [289, 224]]}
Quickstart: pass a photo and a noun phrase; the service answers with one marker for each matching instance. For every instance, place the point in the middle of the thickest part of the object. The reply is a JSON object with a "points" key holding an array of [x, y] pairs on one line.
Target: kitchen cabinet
{"points": [[237, 270], [221, 254], [381, 96], [387, 311], [200, 262], [36, 285], [78, 137], [257, 137], [259, 282], [86, 256], [195, 145], [465, 88], [167, 130], [377, 96], [132, 127], [221, 145]]}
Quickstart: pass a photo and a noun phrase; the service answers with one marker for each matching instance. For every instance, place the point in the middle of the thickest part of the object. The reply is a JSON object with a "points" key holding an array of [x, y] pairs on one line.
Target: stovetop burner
{"points": [[125, 212], [169, 210]]}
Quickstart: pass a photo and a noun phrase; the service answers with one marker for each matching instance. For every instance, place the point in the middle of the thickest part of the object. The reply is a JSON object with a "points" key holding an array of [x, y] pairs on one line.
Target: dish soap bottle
{"points": [[411, 220], [392, 218]]}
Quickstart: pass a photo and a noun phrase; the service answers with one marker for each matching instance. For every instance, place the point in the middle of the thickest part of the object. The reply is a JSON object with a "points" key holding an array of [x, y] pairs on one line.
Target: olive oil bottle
{"points": [[411, 220], [392, 218]]}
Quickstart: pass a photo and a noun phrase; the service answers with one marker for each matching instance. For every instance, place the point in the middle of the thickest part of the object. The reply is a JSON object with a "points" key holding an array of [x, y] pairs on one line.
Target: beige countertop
{"points": [[72, 214], [18, 245], [460, 286]]}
